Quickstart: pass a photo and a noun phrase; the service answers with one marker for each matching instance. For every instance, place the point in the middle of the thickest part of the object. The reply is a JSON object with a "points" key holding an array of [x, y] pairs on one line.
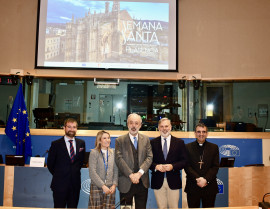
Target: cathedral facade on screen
{"points": [[112, 36], [96, 37]]}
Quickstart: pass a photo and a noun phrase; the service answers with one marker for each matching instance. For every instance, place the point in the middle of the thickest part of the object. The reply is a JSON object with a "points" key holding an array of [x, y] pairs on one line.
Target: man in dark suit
{"points": [[64, 161], [202, 169], [133, 157], [169, 157]]}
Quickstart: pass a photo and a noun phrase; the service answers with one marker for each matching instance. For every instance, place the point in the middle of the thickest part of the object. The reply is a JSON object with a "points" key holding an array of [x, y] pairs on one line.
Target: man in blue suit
{"points": [[64, 161], [169, 157]]}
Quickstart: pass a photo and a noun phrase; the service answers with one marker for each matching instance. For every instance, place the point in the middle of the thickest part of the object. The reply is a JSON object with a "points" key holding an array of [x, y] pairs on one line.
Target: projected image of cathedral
{"points": [[114, 36]]}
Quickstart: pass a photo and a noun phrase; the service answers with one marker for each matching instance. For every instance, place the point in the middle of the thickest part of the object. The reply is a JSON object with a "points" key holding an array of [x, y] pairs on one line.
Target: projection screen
{"points": [[107, 35]]}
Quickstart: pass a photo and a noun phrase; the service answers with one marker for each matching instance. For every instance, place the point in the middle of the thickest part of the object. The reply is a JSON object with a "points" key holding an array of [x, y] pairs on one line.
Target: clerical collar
{"points": [[200, 145]]}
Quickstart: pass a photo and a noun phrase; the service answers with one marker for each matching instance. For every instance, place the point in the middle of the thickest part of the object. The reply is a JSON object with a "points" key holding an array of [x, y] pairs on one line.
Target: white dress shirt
{"points": [[168, 140], [68, 144]]}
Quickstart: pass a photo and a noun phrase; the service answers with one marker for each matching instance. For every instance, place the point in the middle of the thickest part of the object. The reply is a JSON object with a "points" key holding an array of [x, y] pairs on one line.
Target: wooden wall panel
{"points": [[8, 186], [247, 185], [223, 39]]}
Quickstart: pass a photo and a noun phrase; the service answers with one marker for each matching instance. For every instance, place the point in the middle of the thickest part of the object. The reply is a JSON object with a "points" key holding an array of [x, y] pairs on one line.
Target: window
{"points": [[222, 106]]}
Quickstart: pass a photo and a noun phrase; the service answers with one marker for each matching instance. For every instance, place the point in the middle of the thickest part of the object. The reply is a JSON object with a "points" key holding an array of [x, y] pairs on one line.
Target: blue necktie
{"points": [[135, 142], [165, 149]]}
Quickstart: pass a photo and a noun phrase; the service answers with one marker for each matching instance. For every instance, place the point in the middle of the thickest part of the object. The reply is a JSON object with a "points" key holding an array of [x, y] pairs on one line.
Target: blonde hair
{"points": [[98, 140]]}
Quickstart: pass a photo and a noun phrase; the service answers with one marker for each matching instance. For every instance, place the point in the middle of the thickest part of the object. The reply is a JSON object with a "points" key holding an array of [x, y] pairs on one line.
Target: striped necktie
{"points": [[72, 154]]}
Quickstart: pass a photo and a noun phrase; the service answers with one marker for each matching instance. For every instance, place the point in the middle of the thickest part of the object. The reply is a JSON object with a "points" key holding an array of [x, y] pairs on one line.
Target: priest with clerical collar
{"points": [[202, 169]]}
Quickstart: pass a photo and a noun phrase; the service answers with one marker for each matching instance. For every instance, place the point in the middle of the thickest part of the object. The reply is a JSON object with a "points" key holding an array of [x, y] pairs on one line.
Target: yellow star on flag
{"points": [[17, 128]]}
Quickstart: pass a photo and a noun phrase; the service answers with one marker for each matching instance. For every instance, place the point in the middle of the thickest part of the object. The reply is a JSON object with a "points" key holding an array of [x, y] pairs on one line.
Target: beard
{"points": [[133, 131], [165, 135], [71, 134]]}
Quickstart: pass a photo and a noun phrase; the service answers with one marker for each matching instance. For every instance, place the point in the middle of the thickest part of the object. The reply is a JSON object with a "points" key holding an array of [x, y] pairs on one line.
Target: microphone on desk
{"points": [[45, 153]]}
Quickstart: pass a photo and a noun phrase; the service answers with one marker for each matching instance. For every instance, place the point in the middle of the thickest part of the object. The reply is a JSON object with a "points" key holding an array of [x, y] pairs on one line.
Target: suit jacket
{"points": [[209, 168], [59, 164], [97, 171], [177, 156], [125, 161]]}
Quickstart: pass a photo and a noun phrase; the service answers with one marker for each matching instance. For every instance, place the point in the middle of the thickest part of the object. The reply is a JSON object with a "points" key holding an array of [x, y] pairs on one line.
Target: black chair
{"points": [[209, 122], [240, 127], [42, 116]]}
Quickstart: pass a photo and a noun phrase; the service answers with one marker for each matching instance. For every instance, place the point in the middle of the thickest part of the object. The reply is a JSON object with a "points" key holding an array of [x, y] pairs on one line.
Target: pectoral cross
{"points": [[201, 162]]}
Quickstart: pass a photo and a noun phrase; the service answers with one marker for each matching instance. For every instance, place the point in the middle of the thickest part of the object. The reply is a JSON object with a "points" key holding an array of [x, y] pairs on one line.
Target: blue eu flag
{"points": [[17, 128]]}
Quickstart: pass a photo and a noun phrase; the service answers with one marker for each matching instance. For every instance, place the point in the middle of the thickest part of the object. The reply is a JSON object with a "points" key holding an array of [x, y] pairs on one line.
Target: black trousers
{"points": [[194, 200], [139, 192], [68, 198]]}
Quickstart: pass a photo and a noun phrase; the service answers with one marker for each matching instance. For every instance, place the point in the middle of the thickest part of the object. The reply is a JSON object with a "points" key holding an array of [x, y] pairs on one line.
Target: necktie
{"points": [[165, 151], [72, 154], [135, 142]]}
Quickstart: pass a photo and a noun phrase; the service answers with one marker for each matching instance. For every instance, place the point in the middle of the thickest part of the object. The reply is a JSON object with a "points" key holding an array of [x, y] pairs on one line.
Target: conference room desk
{"points": [[30, 187]]}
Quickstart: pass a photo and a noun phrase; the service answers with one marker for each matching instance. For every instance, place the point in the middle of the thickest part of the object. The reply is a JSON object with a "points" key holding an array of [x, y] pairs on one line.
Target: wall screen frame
{"points": [[107, 35]]}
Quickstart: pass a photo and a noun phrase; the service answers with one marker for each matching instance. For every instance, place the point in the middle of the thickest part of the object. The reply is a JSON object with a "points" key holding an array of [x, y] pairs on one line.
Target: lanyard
{"points": [[105, 164]]}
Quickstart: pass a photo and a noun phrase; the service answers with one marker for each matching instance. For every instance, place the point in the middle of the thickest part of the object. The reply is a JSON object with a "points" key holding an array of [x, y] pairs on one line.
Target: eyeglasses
{"points": [[74, 127]]}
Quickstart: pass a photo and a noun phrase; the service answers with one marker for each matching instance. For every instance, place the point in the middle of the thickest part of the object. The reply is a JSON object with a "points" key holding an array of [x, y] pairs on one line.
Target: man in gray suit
{"points": [[133, 157]]}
